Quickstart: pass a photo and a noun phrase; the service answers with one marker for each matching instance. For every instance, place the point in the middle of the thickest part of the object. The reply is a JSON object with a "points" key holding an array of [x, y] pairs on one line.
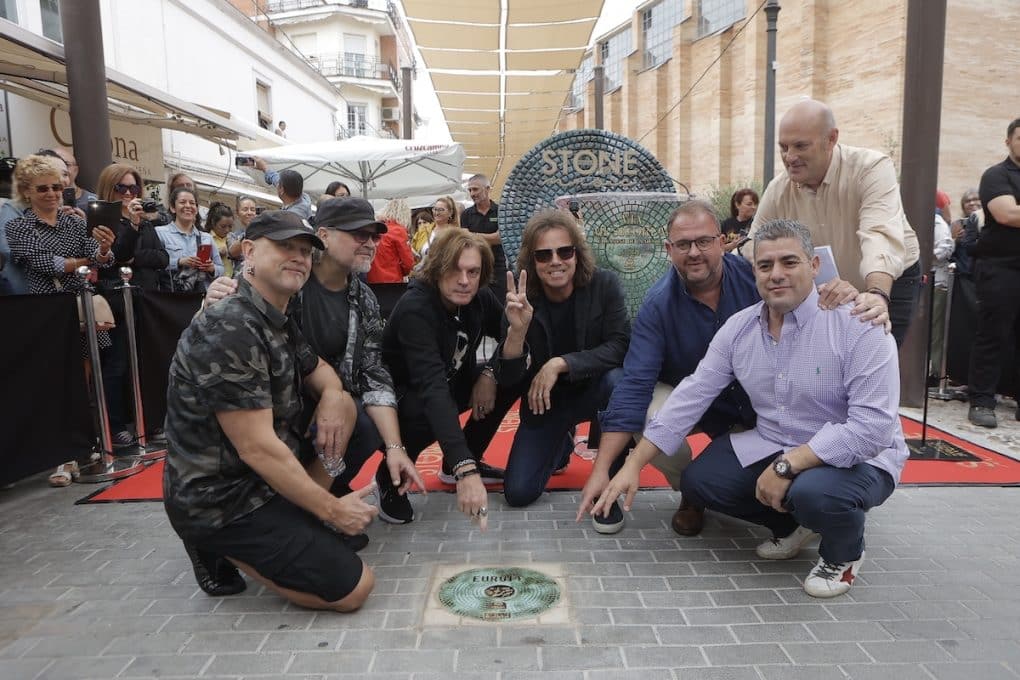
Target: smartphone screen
{"points": [[205, 252], [68, 196]]}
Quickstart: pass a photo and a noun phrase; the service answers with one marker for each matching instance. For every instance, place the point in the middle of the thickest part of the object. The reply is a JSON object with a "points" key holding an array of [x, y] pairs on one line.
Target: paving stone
{"points": [[825, 652], [663, 657], [166, 664], [906, 650], [580, 658], [498, 659], [752, 653], [771, 632], [800, 673], [969, 671], [695, 635], [349, 661], [248, 664], [392, 660]]}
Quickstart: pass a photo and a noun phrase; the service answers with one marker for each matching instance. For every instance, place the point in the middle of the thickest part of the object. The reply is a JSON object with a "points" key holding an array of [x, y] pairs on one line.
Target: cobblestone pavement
{"points": [[105, 591]]}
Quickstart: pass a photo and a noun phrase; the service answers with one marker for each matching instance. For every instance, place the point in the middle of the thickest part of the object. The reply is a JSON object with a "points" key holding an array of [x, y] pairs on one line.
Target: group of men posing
{"points": [[797, 384]]}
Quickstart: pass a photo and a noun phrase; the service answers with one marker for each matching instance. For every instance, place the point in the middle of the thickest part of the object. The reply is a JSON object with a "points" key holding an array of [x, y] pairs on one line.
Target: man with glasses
{"points": [[339, 317], [81, 196], [827, 446], [576, 341], [671, 332]]}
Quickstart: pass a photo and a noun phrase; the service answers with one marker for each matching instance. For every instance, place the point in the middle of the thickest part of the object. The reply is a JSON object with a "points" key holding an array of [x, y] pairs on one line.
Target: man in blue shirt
{"points": [[678, 318], [828, 444]]}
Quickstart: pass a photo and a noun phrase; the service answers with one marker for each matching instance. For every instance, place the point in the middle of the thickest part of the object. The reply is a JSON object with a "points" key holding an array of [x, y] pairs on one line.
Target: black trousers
{"points": [[998, 306], [903, 297]]}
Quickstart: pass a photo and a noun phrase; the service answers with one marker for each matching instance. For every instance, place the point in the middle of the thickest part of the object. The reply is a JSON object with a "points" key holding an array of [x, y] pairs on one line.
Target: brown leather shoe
{"points": [[688, 520]]}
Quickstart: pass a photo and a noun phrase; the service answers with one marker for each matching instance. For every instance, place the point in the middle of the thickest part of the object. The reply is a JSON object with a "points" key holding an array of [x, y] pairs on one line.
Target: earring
{"points": [[249, 269]]}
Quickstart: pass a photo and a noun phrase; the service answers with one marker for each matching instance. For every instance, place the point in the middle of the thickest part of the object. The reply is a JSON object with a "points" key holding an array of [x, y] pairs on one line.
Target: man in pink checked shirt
{"points": [[828, 445]]}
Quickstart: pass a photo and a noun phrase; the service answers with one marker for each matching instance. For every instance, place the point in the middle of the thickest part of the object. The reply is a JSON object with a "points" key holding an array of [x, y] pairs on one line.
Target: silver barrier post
{"points": [[944, 392], [107, 467], [127, 290]]}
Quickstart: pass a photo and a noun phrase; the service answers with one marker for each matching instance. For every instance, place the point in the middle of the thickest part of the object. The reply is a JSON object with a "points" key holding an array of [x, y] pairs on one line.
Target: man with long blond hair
{"points": [[430, 343]]}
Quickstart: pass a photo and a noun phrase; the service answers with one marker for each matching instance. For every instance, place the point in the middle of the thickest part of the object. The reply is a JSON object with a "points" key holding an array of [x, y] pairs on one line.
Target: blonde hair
{"points": [[397, 211], [31, 168]]}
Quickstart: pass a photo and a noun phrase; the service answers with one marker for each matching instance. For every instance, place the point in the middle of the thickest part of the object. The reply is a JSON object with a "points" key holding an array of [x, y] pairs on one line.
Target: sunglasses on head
{"points": [[563, 252], [133, 189], [43, 188], [363, 236]]}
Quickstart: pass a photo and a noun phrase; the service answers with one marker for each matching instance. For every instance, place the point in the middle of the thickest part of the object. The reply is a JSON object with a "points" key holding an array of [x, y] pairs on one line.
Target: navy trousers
{"points": [[544, 442], [828, 500]]}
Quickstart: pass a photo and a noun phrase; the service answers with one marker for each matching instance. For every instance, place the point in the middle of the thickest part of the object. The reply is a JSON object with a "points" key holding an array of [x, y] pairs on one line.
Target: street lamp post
{"points": [[771, 14]]}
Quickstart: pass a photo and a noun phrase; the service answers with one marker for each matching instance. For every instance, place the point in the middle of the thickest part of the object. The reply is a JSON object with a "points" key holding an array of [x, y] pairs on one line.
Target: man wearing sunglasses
{"points": [[576, 342], [339, 317]]}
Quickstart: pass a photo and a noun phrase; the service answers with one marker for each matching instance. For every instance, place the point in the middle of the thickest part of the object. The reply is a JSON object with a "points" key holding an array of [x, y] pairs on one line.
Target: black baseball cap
{"points": [[280, 225], [347, 214]]}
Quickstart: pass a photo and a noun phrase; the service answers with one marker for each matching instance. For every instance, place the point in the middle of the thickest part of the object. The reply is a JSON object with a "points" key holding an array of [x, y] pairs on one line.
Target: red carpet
{"points": [[993, 469]]}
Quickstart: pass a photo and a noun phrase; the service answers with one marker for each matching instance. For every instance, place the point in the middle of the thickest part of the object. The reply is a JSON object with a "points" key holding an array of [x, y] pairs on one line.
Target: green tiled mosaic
{"points": [[499, 594]]}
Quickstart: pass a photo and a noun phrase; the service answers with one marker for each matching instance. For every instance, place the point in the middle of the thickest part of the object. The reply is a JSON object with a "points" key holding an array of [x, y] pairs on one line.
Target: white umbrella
{"points": [[373, 167]]}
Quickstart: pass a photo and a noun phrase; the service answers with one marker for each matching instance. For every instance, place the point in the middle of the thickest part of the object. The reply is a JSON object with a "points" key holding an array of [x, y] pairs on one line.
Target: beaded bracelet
{"points": [[466, 473], [880, 293]]}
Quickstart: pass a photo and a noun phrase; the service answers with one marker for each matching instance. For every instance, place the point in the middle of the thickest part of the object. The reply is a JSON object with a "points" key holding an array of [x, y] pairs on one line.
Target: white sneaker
{"points": [[832, 580], [787, 547]]}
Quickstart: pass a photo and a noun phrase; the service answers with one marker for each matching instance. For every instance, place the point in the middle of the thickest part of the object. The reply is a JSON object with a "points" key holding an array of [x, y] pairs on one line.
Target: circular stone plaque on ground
{"points": [[499, 594]]}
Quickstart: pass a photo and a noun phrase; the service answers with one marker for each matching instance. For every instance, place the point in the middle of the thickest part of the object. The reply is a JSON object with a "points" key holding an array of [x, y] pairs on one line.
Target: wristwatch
{"points": [[782, 468]]}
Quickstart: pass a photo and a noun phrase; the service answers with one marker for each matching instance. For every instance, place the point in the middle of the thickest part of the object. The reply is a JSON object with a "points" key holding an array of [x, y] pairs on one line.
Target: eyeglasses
{"points": [[438, 209], [684, 246], [43, 188], [362, 236], [563, 252], [132, 189]]}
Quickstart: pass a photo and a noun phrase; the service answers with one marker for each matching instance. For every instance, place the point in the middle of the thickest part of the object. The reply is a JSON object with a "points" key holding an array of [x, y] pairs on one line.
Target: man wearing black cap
{"points": [[238, 485], [339, 317]]}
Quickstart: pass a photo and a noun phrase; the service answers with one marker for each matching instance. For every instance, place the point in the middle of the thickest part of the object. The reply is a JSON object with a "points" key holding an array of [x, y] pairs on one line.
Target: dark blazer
{"points": [[601, 332], [140, 249]]}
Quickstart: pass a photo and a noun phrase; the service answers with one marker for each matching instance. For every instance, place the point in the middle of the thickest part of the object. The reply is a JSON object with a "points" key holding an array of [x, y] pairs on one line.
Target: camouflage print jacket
{"points": [[361, 368], [239, 354]]}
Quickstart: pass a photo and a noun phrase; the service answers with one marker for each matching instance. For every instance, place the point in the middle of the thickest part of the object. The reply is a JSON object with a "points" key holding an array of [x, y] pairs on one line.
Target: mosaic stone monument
{"points": [[622, 193], [499, 594]]}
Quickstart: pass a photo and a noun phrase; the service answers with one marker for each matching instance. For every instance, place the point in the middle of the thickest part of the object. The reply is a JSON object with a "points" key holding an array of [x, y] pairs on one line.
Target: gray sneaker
{"points": [[982, 416]]}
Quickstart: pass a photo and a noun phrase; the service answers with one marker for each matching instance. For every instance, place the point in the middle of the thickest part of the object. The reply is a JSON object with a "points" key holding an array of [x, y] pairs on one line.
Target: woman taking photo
{"points": [[137, 246], [194, 261], [743, 206]]}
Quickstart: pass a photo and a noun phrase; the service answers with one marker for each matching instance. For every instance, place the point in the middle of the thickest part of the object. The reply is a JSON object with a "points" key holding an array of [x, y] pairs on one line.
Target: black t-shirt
{"points": [[734, 226], [477, 223], [325, 318], [564, 340], [997, 241]]}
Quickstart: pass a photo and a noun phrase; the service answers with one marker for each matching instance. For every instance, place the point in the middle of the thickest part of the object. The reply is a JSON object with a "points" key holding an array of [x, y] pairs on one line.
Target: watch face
{"points": [[782, 467]]}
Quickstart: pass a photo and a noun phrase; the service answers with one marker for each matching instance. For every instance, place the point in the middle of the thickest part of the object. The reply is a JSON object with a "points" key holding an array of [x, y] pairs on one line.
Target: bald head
{"points": [[807, 136]]}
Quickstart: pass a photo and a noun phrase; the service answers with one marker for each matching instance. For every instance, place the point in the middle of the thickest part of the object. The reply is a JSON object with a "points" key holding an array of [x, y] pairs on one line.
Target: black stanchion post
{"points": [[944, 393], [108, 467]]}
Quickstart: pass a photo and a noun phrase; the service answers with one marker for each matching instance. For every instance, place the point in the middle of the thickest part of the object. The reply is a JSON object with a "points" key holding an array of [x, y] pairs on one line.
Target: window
{"points": [[719, 14], [355, 55], [614, 51], [657, 24], [50, 10], [264, 102], [306, 43], [9, 10], [356, 119], [582, 77]]}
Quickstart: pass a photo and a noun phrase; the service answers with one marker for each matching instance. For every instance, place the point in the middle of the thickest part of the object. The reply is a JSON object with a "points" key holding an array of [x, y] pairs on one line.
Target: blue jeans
{"points": [[543, 442], [828, 500]]}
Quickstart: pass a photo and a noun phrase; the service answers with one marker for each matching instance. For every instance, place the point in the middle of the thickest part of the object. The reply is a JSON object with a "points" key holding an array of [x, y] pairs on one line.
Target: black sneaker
{"points": [[611, 524], [489, 474], [982, 416], [215, 575], [394, 508]]}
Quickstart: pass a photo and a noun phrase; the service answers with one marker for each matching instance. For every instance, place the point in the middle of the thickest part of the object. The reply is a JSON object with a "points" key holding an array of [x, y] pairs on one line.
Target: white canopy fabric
{"points": [[372, 167], [502, 70]]}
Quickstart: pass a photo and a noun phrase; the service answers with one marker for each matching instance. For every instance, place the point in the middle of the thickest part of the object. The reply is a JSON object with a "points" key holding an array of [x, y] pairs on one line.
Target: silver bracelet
{"points": [[396, 446]]}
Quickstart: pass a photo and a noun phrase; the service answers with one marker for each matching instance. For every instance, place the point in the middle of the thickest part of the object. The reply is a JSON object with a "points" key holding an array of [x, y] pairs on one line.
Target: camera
{"points": [[244, 161], [259, 210], [68, 197], [150, 206]]}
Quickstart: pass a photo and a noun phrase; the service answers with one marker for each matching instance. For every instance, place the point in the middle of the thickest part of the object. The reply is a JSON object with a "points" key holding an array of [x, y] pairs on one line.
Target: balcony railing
{"points": [[353, 65], [290, 5]]}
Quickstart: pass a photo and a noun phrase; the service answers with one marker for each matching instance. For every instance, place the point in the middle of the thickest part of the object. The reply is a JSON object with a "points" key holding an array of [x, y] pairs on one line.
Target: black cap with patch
{"points": [[280, 225]]}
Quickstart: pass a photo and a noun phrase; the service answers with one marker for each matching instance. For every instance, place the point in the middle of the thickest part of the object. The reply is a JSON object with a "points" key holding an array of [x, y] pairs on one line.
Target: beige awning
{"points": [[502, 70], [33, 67]]}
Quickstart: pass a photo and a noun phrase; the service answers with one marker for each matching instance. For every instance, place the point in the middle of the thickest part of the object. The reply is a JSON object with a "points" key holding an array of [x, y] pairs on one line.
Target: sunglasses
{"points": [[132, 189], [563, 252], [362, 236], [43, 188]]}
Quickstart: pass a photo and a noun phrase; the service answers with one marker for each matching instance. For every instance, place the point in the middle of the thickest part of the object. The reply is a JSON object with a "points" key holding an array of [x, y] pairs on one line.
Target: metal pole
{"points": [[922, 106], [598, 77], [407, 115], [107, 467], [86, 87], [944, 393], [127, 290], [769, 165]]}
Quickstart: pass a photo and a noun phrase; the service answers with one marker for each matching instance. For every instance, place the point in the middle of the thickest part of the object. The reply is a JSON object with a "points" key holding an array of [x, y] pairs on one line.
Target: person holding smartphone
{"points": [[191, 266], [137, 245]]}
